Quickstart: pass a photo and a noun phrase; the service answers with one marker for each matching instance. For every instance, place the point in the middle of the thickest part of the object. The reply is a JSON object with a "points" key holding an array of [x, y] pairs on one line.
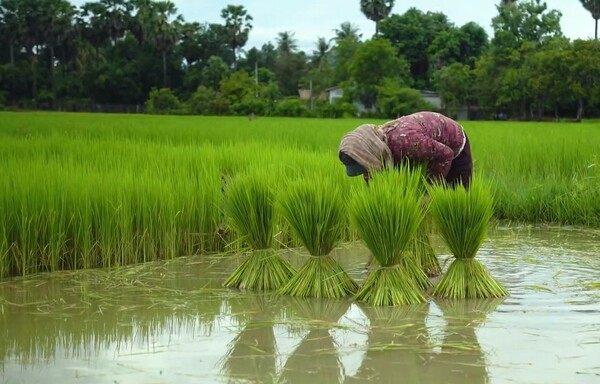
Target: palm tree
{"points": [[164, 33], [115, 16], [9, 30], [347, 30], [376, 10], [237, 27], [286, 43], [322, 49], [593, 6], [57, 24]]}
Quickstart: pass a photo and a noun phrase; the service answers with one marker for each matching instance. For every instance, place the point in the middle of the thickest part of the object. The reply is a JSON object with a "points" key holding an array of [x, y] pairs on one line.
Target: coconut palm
{"points": [[593, 6], [376, 10], [237, 27], [347, 30], [286, 43]]}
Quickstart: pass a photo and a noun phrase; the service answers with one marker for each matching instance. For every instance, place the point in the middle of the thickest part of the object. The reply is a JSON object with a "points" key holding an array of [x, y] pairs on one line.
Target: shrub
{"points": [[291, 107], [162, 101]]}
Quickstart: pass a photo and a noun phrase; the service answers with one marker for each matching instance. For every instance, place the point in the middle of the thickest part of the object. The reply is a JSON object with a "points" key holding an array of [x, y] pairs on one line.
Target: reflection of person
{"points": [[423, 137]]}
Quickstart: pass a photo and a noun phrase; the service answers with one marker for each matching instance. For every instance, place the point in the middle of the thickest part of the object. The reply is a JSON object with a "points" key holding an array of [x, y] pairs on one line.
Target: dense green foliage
{"points": [[93, 190], [111, 55]]}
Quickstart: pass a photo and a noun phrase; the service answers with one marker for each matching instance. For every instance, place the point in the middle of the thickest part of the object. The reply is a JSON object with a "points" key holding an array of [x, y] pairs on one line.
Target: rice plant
{"points": [[462, 218], [423, 250], [386, 216], [249, 206], [316, 214]]}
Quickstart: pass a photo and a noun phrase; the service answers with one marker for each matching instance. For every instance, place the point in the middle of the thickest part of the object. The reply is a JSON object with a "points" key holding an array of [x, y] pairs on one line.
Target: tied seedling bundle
{"points": [[462, 218], [249, 207], [421, 247], [315, 211], [423, 250], [386, 216]]}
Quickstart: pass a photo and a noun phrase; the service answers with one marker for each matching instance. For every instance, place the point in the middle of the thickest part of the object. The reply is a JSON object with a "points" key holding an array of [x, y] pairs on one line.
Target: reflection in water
{"points": [[459, 358], [315, 359], [397, 345], [252, 354], [173, 322]]}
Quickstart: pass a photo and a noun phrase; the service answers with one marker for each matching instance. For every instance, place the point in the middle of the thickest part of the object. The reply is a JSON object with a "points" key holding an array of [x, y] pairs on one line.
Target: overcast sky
{"points": [[311, 19]]}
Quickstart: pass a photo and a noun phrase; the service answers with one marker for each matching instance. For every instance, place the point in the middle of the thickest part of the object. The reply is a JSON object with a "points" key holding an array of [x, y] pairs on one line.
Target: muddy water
{"points": [[173, 323]]}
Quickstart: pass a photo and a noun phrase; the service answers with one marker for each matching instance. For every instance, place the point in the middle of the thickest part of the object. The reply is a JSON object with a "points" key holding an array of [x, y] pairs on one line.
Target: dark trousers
{"points": [[461, 168]]}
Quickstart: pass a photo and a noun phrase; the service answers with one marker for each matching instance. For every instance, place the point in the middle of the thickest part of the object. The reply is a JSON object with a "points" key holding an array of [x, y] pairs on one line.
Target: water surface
{"points": [[173, 323]]}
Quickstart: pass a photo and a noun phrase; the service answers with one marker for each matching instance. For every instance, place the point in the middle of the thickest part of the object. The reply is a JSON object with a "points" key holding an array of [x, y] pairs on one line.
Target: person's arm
{"points": [[436, 155]]}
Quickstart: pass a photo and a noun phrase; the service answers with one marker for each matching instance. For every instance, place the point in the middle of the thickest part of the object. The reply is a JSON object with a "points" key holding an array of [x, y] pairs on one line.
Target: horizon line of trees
{"points": [[142, 53]]}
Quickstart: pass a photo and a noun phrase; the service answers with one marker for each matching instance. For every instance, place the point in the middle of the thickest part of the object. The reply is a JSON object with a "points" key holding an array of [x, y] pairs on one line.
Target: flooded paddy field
{"points": [[173, 322]]}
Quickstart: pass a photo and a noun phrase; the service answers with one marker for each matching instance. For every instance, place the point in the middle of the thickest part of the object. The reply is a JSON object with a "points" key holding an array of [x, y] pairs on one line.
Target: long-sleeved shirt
{"points": [[425, 137]]}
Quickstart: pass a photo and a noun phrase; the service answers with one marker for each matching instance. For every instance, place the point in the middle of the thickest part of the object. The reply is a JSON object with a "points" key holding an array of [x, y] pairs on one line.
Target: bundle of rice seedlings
{"points": [[249, 207], [316, 215], [386, 216], [423, 250], [462, 217]]}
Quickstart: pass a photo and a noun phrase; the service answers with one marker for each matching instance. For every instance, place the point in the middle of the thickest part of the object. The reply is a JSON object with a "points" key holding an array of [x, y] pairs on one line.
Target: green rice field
{"points": [[92, 190]]}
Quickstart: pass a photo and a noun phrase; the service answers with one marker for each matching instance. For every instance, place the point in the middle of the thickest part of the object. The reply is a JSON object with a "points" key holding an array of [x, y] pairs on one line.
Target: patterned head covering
{"points": [[366, 146]]}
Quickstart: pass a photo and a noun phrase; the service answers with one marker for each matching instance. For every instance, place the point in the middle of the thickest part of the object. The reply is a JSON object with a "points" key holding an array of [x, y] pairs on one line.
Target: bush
{"points": [[337, 109], [200, 101], [162, 101], [291, 107], [251, 105], [401, 102]]}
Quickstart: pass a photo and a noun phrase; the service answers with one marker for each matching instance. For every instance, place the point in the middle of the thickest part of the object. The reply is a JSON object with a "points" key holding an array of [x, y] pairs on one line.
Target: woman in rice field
{"points": [[423, 137]]}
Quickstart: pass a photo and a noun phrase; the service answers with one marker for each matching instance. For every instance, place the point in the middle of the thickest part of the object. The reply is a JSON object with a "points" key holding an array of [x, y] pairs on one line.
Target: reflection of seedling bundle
{"points": [[386, 216], [459, 358], [462, 218], [316, 356], [397, 345], [249, 207], [315, 212], [251, 355]]}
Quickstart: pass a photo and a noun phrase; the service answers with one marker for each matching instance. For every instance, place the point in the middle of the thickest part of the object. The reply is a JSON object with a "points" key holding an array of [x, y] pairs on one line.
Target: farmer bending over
{"points": [[423, 137]]}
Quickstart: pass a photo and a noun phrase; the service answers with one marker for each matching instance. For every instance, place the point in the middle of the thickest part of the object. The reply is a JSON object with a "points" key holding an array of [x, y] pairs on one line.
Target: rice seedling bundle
{"points": [[316, 213], [386, 216], [421, 248], [423, 251], [249, 207], [462, 217]]}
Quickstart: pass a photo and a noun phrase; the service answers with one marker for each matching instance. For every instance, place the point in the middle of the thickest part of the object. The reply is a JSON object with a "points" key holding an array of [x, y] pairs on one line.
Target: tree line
{"points": [[142, 53]]}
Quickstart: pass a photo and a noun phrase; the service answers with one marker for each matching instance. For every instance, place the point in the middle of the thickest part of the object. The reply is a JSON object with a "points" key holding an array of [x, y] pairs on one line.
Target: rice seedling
{"points": [[462, 217], [315, 212], [423, 251], [386, 216], [250, 209]]}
